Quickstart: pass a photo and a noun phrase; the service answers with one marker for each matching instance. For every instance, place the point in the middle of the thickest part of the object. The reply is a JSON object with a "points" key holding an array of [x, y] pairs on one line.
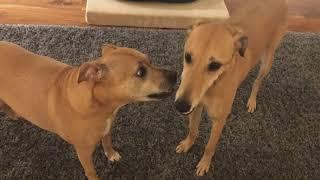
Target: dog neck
{"points": [[107, 98], [80, 96]]}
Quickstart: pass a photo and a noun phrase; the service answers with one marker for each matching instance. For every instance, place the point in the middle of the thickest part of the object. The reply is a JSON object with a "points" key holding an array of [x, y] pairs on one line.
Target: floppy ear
{"points": [[241, 45], [240, 39], [107, 48], [91, 72]]}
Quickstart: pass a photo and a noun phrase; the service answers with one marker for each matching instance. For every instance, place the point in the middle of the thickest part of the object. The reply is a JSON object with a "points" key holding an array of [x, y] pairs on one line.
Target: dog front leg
{"points": [[216, 130], [111, 154], [194, 120], [85, 157]]}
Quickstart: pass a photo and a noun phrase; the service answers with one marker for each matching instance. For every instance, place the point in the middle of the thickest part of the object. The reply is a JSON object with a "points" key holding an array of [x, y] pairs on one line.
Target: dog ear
{"points": [[240, 39], [107, 48], [241, 45], [91, 72]]}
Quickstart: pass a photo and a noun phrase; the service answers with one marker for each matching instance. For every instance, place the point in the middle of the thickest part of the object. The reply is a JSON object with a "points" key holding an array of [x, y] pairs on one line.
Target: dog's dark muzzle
{"points": [[170, 79], [183, 106]]}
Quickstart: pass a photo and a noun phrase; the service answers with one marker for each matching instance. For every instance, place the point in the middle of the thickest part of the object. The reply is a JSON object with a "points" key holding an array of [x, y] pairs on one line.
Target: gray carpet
{"points": [[280, 140]]}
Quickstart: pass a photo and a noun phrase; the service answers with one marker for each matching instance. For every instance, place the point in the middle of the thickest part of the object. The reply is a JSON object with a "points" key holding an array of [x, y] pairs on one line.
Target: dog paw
{"points": [[92, 177], [252, 104], [184, 146], [203, 166], [113, 156]]}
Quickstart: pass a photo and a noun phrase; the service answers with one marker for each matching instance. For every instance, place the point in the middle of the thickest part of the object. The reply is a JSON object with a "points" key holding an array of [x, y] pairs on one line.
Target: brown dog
{"points": [[78, 103], [218, 57]]}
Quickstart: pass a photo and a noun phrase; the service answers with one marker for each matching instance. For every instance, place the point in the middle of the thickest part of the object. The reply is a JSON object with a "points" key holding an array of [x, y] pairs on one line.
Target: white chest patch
{"points": [[108, 126], [109, 122]]}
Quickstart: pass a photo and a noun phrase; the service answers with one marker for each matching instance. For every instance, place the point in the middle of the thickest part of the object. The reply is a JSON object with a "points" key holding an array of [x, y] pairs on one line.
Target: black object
{"points": [[169, 1]]}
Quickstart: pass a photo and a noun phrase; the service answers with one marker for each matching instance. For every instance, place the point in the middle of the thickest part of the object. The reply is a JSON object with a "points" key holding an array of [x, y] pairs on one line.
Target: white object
{"points": [[153, 14]]}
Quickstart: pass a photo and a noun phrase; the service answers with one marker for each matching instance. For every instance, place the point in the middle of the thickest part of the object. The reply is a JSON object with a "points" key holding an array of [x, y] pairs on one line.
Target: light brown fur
{"points": [[78, 103], [255, 30]]}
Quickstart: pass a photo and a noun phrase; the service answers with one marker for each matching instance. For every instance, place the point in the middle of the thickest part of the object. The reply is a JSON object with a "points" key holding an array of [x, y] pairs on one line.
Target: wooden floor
{"points": [[304, 14]]}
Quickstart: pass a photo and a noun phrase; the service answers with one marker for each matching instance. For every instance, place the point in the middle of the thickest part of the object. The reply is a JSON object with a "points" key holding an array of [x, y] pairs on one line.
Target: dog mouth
{"points": [[160, 95], [189, 112]]}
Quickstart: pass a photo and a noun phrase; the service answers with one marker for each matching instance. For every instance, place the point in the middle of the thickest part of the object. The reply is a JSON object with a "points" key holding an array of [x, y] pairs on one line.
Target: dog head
{"points": [[210, 50], [126, 75]]}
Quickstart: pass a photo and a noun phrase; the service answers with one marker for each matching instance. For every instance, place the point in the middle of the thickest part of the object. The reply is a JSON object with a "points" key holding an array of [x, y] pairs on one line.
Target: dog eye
{"points": [[141, 72], [188, 58], [214, 66]]}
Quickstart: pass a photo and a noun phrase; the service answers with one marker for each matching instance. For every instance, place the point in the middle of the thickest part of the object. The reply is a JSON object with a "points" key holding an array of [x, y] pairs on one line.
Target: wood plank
{"points": [[301, 24], [45, 3], [64, 12]]}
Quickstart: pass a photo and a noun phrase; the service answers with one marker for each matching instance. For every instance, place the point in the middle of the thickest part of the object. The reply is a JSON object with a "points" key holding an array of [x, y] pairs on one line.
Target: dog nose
{"points": [[182, 106], [172, 77]]}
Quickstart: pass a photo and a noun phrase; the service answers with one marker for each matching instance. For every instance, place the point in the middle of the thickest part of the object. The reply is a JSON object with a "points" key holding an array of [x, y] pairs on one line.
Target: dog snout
{"points": [[171, 76], [182, 105]]}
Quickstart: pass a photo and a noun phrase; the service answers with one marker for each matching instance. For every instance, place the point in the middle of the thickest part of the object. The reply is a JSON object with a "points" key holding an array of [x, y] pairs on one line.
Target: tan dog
{"points": [[218, 57], [78, 103]]}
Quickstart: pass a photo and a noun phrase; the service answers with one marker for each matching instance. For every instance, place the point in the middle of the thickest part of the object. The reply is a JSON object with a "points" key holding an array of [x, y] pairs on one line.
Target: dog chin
{"points": [[161, 95], [189, 112]]}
